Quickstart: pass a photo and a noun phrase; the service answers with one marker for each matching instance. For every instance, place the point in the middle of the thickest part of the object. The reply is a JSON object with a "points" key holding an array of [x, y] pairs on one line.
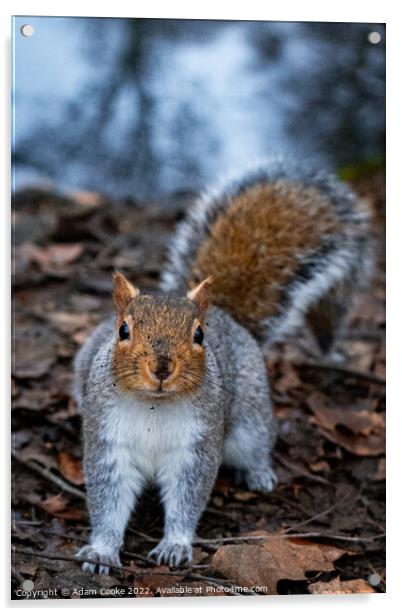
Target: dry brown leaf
{"points": [[35, 350], [64, 254], [54, 504], [338, 587], [356, 428], [35, 451], [279, 558], [290, 380], [320, 466], [199, 555], [59, 507], [53, 254], [153, 579], [244, 495], [36, 362], [380, 370], [71, 468], [380, 473], [68, 323], [34, 400], [27, 567], [30, 253], [76, 514], [361, 354]]}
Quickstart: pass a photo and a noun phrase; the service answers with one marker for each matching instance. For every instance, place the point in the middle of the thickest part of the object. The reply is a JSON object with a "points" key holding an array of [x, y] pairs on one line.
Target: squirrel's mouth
{"points": [[157, 393]]}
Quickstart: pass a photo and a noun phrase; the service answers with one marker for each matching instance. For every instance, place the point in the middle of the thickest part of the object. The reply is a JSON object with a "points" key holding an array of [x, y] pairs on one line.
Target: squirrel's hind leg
{"points": [[251, 436]]}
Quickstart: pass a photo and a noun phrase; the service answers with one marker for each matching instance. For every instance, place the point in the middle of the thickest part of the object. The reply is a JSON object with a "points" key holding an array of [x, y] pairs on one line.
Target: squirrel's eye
{"points": [[198, 335], [124, 331]]}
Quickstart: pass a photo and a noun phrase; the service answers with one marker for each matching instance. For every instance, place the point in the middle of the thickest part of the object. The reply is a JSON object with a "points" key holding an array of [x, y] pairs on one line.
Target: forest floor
{"points": [[322, 530]]}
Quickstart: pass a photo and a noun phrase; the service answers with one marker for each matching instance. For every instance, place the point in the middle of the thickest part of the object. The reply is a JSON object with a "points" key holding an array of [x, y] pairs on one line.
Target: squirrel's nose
{"points": [[163, 369], [162, 374]]}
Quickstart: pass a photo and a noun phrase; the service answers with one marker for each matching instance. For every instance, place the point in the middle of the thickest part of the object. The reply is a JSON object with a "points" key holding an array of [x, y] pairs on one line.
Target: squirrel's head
{"points": [[159, 350]]}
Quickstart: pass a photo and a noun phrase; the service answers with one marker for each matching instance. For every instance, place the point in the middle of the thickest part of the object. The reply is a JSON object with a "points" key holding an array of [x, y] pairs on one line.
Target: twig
{"points": [[232, 539], [301, 471], [47, 474], [349, 372], [224, 514], [133, 531], [362, 334], [28, 522], [319, 535], [276, 495]]}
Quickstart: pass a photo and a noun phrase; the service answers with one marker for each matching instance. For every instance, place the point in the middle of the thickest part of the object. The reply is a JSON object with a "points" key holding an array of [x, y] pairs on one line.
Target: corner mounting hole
{"points": [[27, 30], [374, 38]]}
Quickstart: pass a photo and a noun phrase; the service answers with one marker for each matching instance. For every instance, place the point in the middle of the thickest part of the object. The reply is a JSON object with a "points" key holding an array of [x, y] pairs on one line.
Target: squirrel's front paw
{"points": [[173, 554], [99, 560]]}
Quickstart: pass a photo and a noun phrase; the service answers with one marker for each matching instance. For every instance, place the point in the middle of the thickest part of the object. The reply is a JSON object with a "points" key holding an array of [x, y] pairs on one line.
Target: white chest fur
{"points": [[151, 436]]}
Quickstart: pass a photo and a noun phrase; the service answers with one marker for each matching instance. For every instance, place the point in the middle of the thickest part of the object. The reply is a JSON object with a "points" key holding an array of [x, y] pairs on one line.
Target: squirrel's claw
{"points": [[172, 554], [98, 561]]}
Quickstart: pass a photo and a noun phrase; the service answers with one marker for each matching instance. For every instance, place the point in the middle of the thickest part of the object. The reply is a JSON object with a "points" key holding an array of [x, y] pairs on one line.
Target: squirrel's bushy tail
{"points": [[276, 242]]}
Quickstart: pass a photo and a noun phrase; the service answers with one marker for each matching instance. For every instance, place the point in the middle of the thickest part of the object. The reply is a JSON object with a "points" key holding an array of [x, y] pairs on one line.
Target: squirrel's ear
{"points": [[123, 292], [201, 295]]}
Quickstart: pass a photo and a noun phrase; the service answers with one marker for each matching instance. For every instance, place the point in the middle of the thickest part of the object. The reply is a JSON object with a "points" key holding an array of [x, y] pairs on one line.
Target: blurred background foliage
{"points": [[146, 107]]}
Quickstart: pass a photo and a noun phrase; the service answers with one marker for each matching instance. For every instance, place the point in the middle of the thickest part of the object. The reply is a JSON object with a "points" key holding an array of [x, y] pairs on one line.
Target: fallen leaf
{"points": [[244, 496], [361, 354], [34, 451], [71, 468], [320, 466], [290, 380], [34, 400], [30, 253], [199, 555], [356, 428], [338, 587], [154, 580], [54, 504], [85, 303], [64, 254], [379, 475], [59, 507], [35, 350], [68, 323], [279, 558], [27, 567]]}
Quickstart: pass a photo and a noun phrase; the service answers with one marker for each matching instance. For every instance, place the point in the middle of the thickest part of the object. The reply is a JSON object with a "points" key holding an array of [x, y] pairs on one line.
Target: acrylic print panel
{"points": [[118, 125]]}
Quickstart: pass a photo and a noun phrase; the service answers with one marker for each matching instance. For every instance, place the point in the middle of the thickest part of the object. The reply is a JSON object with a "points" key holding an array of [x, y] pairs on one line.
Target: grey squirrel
{"points": [[172, 386]]}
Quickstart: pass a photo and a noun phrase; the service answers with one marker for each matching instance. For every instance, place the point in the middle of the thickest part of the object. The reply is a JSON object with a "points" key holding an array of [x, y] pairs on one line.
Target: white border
{"points": [[307, 10]]}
